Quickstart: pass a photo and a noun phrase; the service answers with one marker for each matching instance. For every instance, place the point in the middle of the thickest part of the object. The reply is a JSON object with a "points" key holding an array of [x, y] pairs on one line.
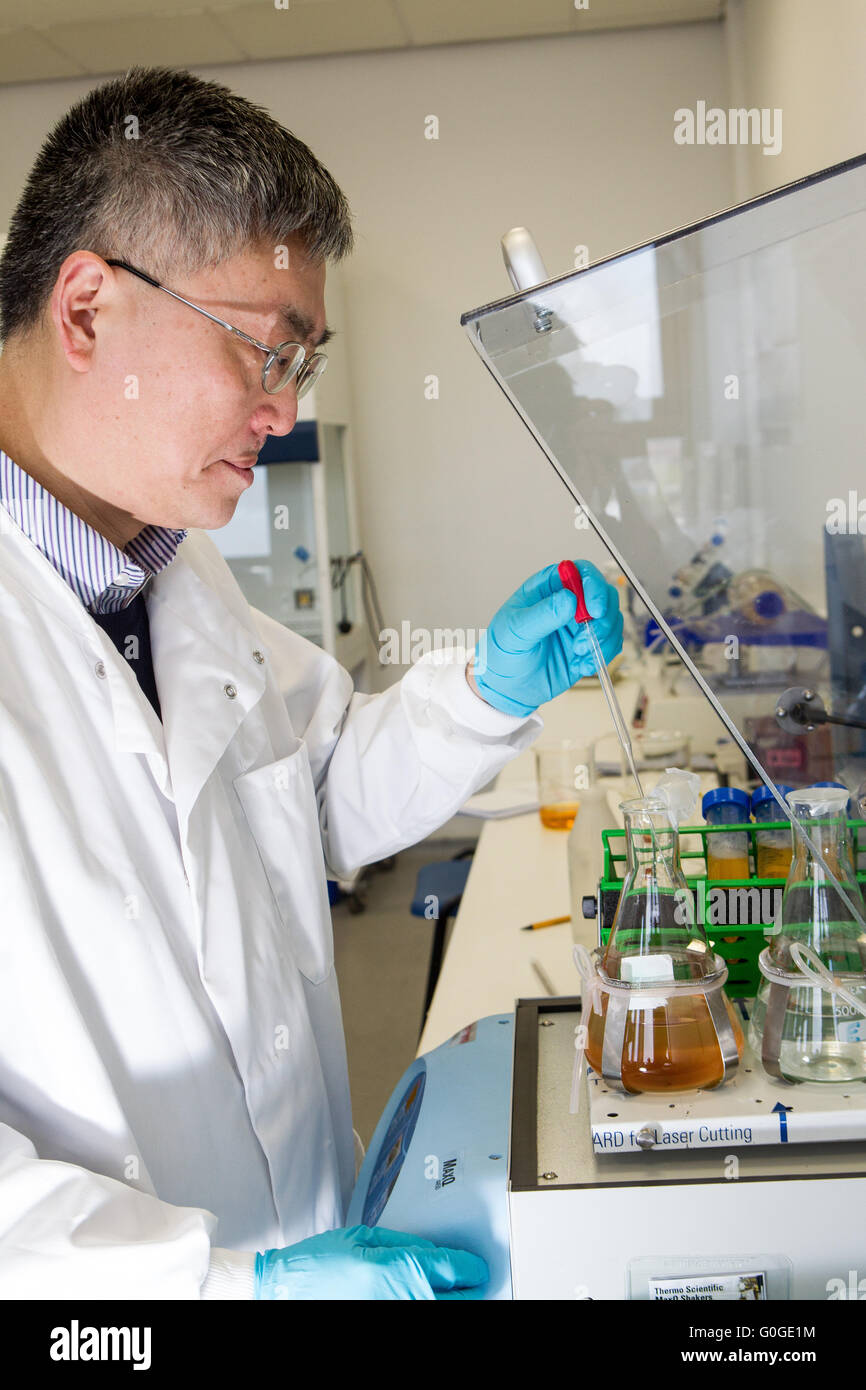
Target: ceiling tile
{"points": [[50, 12], [455, 21], [72, 37], [25, 56], [626, 14], [451, 21], [325, 26], [111, 45]]}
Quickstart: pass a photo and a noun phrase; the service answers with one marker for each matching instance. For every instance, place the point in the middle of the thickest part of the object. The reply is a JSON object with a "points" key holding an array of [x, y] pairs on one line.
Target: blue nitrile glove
{"points": [[535, 649], [369, 1263]]}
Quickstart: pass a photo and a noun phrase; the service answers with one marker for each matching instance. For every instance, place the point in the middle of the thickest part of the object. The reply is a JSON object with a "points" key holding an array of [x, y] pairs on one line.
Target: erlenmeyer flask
{"points": [[803, 1032], [673, 1037]]}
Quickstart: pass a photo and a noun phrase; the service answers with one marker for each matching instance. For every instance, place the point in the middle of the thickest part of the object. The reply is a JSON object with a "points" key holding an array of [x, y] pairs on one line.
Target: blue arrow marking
{"points": [[780, 1110]]}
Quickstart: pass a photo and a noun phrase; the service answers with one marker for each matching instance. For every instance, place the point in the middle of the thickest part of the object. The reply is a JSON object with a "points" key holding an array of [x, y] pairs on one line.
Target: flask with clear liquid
{"points": [[802, 1032], [678, 1030]]}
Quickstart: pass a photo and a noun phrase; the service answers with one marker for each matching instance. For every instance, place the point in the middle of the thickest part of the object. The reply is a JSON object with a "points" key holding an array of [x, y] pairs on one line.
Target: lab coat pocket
{"points": [[279, 803]]}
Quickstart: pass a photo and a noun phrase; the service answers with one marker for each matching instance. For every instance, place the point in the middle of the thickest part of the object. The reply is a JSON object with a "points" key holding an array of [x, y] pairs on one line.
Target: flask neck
{"points": [[829, 835], [814, 911], [655, 916], [652, 850]]}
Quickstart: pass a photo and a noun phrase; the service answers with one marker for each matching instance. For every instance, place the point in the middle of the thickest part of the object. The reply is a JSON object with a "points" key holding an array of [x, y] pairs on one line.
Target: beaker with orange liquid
{"points": [[728, 850], [559, 815], [564, 770], [658, 1017], [772, 847]]}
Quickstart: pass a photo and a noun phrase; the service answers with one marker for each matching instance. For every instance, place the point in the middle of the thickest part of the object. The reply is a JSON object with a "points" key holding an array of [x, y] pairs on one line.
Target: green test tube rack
{"points": [[735, 912]]}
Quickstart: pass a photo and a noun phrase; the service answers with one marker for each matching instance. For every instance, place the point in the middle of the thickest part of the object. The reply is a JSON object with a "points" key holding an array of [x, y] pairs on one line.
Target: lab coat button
{"points": [[231, 691], [99, 668], [257, 656]]}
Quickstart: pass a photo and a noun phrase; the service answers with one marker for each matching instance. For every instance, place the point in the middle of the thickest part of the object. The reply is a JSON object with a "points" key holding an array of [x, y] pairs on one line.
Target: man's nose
{"points": [[277, 414]]}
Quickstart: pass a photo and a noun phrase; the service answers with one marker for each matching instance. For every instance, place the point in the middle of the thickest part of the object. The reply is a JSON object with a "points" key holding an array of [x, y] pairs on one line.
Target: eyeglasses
{"points": [[283, 363]]}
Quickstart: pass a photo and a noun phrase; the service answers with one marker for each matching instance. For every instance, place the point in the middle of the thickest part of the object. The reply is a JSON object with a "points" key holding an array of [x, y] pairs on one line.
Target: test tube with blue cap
{"points": [[727, 850]]}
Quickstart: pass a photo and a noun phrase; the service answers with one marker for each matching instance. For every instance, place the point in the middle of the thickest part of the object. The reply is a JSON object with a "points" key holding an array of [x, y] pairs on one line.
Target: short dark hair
{"points": [[197, 176]]}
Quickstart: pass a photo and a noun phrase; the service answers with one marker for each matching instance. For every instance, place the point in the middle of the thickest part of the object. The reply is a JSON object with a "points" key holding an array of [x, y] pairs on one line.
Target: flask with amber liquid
{"points": [[671, 1037]]}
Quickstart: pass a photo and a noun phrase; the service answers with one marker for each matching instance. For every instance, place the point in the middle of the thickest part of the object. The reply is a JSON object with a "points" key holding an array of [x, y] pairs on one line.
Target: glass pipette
{"points": [[570, 576]]}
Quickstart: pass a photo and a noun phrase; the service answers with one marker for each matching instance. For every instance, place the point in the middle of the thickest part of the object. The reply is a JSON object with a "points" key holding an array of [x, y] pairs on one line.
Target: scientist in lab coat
{"points": [[178, 772]]}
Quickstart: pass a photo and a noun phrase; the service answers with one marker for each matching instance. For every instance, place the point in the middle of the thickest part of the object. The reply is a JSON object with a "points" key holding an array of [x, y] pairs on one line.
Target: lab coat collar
{"points": [[204, 647]]}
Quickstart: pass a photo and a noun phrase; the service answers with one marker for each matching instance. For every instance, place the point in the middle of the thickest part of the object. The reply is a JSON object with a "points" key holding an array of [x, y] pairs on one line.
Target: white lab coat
{"points": [[172, 1064]]}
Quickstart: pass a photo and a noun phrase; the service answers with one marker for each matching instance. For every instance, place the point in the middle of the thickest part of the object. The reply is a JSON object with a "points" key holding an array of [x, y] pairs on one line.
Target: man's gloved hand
{"points": [[371, 1263], [535, 649]]}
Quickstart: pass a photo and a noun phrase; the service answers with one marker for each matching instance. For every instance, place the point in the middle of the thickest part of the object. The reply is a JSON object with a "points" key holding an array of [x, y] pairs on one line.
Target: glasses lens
{"points": [[311, 372], [283, 367]]}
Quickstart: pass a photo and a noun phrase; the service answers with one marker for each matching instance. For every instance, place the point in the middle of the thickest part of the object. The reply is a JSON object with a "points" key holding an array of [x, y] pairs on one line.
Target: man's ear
{"points": [[84, 283]]}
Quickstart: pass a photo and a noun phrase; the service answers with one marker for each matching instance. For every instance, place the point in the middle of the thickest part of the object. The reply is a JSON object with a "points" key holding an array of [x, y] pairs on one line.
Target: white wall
{"points": [[809, 60], [571, 136]]}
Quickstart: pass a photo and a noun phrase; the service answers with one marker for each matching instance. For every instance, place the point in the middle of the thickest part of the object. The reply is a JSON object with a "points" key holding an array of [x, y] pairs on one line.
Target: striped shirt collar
{"points": [[105, 578]]}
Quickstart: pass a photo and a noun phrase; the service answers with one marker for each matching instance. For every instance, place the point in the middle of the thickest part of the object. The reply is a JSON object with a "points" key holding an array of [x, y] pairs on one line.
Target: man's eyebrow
{"points": [[302, 326]]}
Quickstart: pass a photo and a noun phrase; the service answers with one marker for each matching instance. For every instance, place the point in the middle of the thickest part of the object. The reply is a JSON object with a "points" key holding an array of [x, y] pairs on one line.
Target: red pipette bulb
{"points": [[570, 576]]}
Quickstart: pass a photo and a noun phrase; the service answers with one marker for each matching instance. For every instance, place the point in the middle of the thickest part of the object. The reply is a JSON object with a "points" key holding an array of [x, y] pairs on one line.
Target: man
{"points": [[178, 772]]}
